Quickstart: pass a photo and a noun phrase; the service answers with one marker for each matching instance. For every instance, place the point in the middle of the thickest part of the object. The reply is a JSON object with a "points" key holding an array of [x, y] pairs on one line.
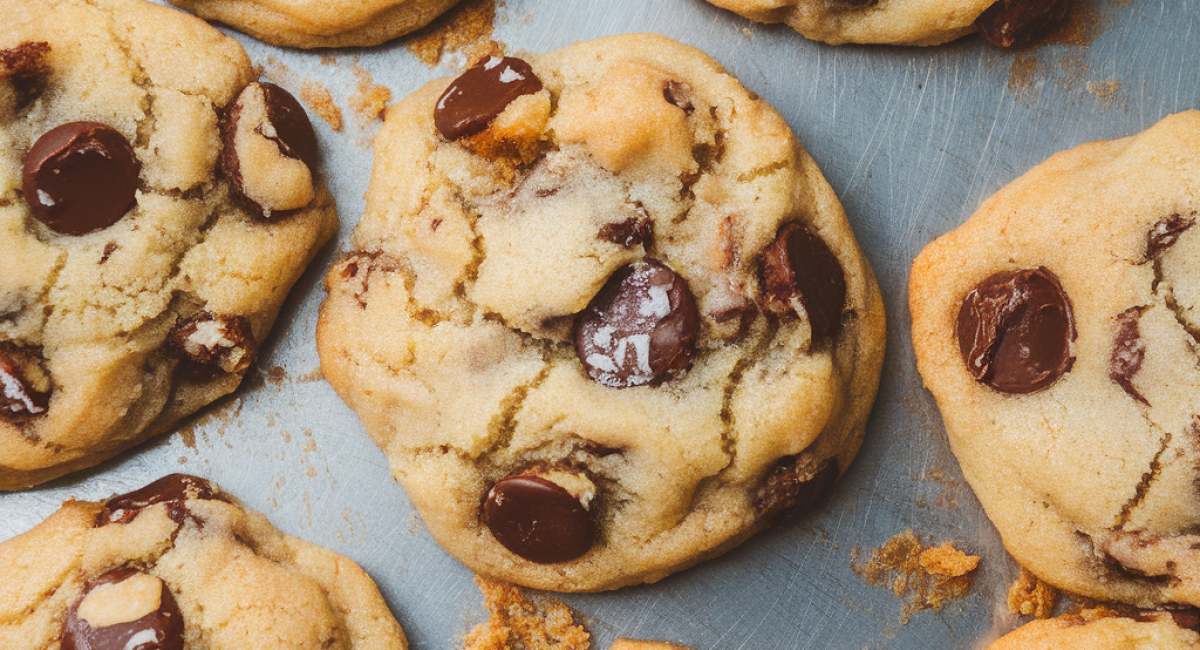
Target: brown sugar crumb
{"points": [[370, 100], [518, 623], [321, 103], [1029, 596], [923, 577], [465, 28]]}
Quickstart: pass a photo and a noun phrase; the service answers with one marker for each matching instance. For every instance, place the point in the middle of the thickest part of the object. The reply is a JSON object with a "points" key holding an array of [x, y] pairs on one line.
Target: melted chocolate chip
{"points": [[629, 233], [24, 66], [538, 520], [679, 94], [1129, 351], [214, 343], [795, 485], [287, 125], [800, 273], [80, 177], [481, 93], [161, 629], [20, 399], [1017, 23], [172, 490], [1166, 232], [1015, 331], [640, 328]]}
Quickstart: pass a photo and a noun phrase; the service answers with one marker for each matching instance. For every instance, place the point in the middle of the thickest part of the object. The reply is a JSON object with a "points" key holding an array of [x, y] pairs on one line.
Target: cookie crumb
{"points": [[467, 28], [1029, 596], [321, 102], [1106, 91], [922, 576], [518, 623], [370, 100]]}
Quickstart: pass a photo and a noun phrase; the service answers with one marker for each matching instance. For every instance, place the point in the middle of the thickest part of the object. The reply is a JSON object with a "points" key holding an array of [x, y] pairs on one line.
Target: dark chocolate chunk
{"points": [[538, 520], [640, 328], [1166, 232], [24, 66], [172, 490], [1129, 351], [20, 397], [679, 94], [796, 485], [1017, 23], [287, 125], [1015, 331], [213, 342], [80, 177], [631, 232], [159, 629], [801, 274], [481, 93]]}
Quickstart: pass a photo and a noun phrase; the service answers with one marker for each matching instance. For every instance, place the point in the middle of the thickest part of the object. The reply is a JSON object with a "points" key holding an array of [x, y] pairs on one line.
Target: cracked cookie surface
{"points": [[1057, 330], [148, 242], [604, 315], [182, 565], [320, 23], [1005, 23]]}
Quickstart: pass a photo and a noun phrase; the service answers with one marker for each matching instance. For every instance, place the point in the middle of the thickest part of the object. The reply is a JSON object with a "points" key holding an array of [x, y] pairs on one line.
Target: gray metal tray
{"points": [[912, 139]]}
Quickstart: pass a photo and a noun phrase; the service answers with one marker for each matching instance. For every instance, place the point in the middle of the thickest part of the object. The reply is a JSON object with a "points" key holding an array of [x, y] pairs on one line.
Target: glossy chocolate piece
{"points": [[796, 485], [538, 520], [1017, 23], [161, 629], [481, 93], [1166, 232], [24, 66], [80, 177], [640, 328], [215, 343], [1015, 331], [799, 267], [289, 128], [1129, 351], [173, 490], [20, 400]]}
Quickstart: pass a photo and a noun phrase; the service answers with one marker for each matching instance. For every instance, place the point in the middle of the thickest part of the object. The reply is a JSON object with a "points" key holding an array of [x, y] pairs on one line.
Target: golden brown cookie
{"points": [[1103, 630]]}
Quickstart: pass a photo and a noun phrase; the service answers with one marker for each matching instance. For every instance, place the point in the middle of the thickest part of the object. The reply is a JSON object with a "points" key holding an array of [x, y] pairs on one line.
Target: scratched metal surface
{"points": [[912, 140]]}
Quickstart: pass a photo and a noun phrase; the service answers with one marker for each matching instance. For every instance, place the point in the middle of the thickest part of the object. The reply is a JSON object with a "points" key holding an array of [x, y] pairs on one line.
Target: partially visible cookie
{"points": [[603, 314], [1059, 331], [320, 23], [182, 564], [1005, 23], [638, 644], [1102, 629], [158, 204]]}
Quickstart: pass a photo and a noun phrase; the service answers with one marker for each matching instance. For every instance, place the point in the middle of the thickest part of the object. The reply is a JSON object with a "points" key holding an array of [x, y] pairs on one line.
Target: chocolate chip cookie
{"points": [[182, 564], [603, 314], [320, 23], [1005, 23], [1058, 330], [158, 205], [1101, 629]]}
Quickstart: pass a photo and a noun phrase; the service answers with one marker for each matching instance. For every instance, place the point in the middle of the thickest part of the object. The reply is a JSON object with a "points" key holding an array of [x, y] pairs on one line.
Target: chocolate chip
{"points": [[172, 490], [24, 384], [802, 277], [679, 94], [161, 628], [1129, 350], [1015, 331], [214, 342], [269, 112], [1009, 23], [631, 232], [640, 328], [795, 485], [80, 177], [24, 66], [1166, 232], [481, 93], [538, 520]]}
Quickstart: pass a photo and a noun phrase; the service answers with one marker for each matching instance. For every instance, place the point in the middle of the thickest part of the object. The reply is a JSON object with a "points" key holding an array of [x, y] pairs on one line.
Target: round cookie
{"points": [[320, 23], [181, 564], [603, 314], [1057, 329], [158, 205], [1101, 629], [1005, 23]]}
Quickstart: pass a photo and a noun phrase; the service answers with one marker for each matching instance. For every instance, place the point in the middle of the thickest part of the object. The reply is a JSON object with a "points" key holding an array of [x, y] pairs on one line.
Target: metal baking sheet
{"points": [[912, 140]]}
